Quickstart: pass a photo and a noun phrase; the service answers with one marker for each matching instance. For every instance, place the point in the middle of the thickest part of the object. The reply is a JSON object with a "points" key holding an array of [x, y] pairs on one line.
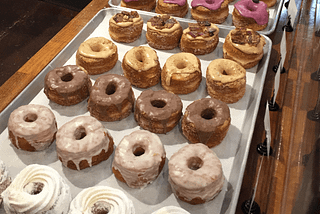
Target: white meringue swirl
{"points": [[171, 210], [5, 179]]}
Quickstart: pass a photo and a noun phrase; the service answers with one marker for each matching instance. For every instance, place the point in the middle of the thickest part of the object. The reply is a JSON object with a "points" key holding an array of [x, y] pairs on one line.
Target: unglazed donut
{"points": [[5, 179], [146, 5], [139, 159], [101, 199], [200, 38], [125, 26], [170, 210], [206, 121], [32, 127], [195, 174], [163, 32], [226, 80], [248, 14], [83, 142], [244, 46], [181, 73], [158, 111], [141, 67], [215, 11], [67, 85], [172, 7], [37, 189], [97, 55], [111, 98]]}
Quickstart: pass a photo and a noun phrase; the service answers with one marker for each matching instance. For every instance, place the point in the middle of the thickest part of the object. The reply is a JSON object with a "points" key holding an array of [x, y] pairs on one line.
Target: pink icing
{"points": [[257, 11], [179, 2], [210, 4], [129, 0]]}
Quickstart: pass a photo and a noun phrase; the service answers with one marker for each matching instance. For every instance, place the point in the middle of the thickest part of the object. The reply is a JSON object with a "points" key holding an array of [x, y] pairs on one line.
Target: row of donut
{"points": [[247, 13]]}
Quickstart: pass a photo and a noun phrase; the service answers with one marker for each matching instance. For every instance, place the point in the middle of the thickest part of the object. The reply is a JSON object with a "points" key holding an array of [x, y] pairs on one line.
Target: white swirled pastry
{"points": [[170, 210], [37, 189], [101, 199], [5, 179]]}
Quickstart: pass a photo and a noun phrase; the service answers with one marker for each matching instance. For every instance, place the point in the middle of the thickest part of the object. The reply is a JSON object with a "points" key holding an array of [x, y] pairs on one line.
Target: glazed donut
{"points": [[248, 14], [195, 174], [212, 11], [181, 73], [139, 159], [37, 189], [172, 7], [200, 38], [141, 67], [5, 179], [101, 199], [163, 32], [97, 55], [226, 80], [125, 26], [206, 121], [244, 46], [83, 142], [270, 3], [170, 210], [158, 111], [111, 98], [67, 85], [32, 127], [146, 5]]}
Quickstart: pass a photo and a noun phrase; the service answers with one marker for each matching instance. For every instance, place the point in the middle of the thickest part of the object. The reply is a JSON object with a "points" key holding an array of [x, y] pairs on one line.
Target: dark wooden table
{"points": [[293, 168]]}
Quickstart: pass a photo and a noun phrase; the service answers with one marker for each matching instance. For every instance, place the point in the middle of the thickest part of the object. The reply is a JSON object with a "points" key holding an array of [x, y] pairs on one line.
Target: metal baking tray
{"points": [[233, 151], [274, 13]]}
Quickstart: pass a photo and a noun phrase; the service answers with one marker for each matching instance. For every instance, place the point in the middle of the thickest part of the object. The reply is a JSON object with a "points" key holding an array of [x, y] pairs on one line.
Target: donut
{"points": [[67, 85], [32, 127], [195, 174], [226, 80], [37, 189], [245, 46], [138, 159], [270, 3], [111, 98], [141, 67], [146, 5], [125, 26], [248, 14], [206, 121], [5, 179], [200, 38], [181, 73], [163, 32], [97, 55], [212, 11], [171, 209], [101, 199], [83, 142], [158, 111], [177, 8]]}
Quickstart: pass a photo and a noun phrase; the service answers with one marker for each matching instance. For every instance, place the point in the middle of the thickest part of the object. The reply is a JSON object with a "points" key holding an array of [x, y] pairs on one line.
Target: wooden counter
{"points": [[294, 136]]}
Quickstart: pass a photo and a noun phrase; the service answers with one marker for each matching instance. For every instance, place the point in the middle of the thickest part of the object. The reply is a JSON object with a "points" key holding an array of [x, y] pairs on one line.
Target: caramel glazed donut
{"points": [[67, 85], [158, 111], [226, 80], [244, 46], [83, 142], [181, 73], [139, 159], [125, 26], [206, 121], [101, 199], [172, 7], [195, 174], [97, 55], [32, 127], [37, 189], [141, 67], [146, 5], [111, 98]]}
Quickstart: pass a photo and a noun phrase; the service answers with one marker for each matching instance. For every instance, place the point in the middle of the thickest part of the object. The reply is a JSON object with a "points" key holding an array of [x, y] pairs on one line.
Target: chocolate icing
{"points": [[125, 16], [162, 21], [202, 28], [245, 36]]}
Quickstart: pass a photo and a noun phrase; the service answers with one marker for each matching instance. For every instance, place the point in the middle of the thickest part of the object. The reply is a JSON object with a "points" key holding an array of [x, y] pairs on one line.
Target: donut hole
{"points": [[181, 64], [138, 151], [208, 113], [30, 117], [80, 133], [139, 56], [195, 163], [67, 77], [34, 188], [224, 72], [111, 88], [100, 207], [96, 47], [158, 103]]}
